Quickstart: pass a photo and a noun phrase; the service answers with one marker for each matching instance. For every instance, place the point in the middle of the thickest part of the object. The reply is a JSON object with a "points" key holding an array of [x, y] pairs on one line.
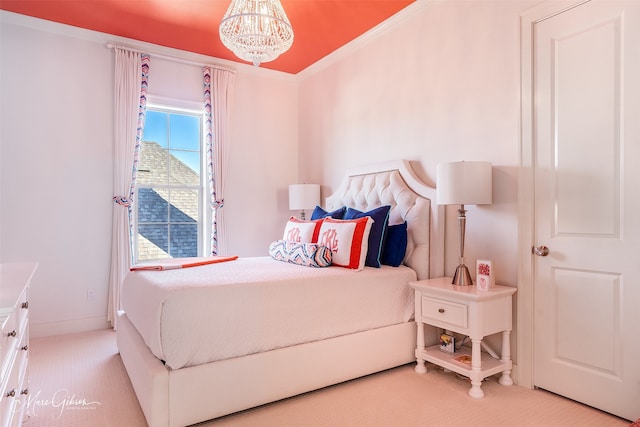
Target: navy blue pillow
{"points": [[318, 213], [380, 218], [395, 245]]}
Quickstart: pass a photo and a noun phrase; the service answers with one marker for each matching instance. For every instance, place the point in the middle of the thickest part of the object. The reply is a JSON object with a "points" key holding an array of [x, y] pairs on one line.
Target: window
{"points": [[169, 194]]}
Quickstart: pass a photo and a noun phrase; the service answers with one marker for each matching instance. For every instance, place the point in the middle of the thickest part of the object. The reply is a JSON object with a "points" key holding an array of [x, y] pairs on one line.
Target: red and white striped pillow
{"points": [[347, 240]]}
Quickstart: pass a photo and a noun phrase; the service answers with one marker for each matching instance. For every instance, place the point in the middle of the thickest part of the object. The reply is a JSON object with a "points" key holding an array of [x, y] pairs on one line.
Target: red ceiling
{"points": [[320, 26]]}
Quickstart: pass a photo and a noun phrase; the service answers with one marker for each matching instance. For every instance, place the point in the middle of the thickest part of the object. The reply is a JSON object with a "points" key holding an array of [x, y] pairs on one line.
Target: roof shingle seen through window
{"points": [[153, 205]]}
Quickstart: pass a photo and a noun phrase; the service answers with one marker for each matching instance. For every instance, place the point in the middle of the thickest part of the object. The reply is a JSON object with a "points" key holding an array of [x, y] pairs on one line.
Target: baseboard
{"points": [[47, 329], [514, 374]]}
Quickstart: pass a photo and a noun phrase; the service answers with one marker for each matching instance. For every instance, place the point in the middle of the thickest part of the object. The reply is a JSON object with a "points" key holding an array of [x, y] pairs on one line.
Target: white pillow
{"points": [[347, 240], [300, 231]]}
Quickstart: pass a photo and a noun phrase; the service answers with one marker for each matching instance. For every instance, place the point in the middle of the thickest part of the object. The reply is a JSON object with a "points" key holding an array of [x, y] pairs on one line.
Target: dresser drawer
{"points": [[10, 396], [14, 327], [9, 341], [444, 312], [22, 309]]}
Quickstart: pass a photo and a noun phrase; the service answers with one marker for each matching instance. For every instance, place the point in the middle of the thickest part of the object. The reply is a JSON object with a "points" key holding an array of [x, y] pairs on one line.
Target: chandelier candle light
{"points": [[256, 31], [303, 196], [463, 183]]}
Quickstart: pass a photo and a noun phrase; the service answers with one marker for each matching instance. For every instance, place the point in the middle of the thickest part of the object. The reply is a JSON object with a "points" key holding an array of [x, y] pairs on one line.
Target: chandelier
{"points": [[256, 30]]}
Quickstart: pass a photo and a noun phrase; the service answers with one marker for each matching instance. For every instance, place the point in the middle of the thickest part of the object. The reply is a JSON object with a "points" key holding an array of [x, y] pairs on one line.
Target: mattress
{"points": [[198, 315]]}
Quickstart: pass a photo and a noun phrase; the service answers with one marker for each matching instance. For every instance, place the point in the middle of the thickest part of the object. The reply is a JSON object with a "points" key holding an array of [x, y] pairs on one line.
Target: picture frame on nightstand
{"points": [[485, 276]]}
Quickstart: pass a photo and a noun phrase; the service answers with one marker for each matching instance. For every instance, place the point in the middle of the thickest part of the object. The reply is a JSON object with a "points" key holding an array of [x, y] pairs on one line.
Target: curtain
{"points": [[218, 93], [130, 94]]}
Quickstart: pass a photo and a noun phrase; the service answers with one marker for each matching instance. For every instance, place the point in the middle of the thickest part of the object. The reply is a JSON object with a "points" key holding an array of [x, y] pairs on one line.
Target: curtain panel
{"points": [[218, 97], [130, 98]]}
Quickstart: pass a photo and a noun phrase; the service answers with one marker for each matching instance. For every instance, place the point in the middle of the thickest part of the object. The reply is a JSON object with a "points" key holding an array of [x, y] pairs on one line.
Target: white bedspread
{"points": [[202, 314]]}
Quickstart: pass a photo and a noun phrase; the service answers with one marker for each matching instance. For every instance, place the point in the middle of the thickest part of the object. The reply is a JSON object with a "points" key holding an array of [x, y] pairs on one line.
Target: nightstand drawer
{"points": [[442, 311]]}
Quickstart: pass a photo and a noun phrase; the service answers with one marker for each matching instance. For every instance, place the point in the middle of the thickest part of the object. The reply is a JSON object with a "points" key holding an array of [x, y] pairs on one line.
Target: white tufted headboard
{"points": [[396, 184]]}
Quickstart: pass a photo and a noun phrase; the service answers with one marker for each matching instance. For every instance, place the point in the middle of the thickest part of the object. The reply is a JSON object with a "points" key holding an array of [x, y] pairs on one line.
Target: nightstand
{"points": [[468, 311]]}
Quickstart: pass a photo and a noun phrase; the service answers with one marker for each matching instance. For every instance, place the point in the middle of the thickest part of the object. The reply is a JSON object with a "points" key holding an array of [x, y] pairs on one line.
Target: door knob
{"points": [[540, 250]]}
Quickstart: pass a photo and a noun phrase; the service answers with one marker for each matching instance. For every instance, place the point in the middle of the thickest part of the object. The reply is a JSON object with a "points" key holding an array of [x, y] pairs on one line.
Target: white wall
{"points": [[263, 162], [57, 171], [441, 84], [56, 162]]}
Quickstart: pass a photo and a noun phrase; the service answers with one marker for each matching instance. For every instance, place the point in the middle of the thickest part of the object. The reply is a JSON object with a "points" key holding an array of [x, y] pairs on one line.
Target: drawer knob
{"points": [[12, 393], [12, 333], [25, 348], [441, 310], [25, 391], [25, 305]]}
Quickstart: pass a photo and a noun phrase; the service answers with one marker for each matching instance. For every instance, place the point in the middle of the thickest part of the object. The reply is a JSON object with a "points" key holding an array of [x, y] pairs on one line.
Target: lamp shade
{"points": [[304, 196], [464, 183]]}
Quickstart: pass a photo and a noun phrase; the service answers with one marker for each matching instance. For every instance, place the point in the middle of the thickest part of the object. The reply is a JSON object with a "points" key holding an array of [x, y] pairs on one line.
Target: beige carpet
{"points": [[79, 380]]}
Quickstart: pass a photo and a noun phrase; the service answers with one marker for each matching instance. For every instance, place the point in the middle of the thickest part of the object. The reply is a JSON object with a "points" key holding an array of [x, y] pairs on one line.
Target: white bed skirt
{"points": [[195, 394]]}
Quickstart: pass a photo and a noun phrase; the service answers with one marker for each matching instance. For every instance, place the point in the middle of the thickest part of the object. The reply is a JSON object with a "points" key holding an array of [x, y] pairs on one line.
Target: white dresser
{"points": [[14, 342]]}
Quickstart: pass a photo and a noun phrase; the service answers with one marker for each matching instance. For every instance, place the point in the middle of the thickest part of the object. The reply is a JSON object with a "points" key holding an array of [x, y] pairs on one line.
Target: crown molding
{"points": [[161, 52], [195, 58]]}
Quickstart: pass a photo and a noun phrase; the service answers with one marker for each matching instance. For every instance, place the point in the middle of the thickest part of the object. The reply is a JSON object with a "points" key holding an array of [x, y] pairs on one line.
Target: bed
{"points": [[353, 334]]}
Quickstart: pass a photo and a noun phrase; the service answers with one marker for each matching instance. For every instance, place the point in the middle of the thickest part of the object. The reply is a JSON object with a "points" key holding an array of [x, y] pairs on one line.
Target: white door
{"points": [[587, 205]]}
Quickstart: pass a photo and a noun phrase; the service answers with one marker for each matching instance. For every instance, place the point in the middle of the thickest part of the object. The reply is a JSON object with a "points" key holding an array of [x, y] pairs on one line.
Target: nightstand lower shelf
{"points": [[489, 367]]}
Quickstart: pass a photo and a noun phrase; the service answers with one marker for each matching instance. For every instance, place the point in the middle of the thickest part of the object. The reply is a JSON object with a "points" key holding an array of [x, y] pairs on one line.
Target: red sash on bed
{"points": [[174, 263]]}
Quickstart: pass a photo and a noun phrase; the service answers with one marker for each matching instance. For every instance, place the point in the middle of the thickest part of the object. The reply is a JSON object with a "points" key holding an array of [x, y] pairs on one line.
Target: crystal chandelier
{"points": [[256, 30]]}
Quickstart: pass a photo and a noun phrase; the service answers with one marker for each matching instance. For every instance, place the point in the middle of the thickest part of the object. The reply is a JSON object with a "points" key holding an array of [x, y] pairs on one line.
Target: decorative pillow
{"points": [[300, 231], [306, 254], [395, 245], [380, 218], [318, 213], [347, 240]]}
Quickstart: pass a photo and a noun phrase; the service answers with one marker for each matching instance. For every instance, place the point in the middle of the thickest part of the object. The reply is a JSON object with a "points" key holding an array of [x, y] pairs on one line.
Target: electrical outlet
{"points": [[91, 295]]}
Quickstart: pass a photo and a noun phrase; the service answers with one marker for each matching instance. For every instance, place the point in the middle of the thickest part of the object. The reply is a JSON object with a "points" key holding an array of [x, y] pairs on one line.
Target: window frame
{"points": [[173, 106]]}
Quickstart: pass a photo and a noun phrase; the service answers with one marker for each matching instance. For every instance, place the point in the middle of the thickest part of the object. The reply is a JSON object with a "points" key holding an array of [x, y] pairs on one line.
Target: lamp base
{"points": [[462, 277]]}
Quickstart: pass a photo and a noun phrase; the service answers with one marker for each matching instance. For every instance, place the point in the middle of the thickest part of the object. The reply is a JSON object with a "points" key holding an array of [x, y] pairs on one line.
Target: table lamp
{"points": [[463, 183], [303, 196]]}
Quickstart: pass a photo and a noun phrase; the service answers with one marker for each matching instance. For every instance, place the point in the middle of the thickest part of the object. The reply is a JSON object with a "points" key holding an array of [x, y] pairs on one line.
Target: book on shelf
{"points": [[463, 358], [447, 343]]}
